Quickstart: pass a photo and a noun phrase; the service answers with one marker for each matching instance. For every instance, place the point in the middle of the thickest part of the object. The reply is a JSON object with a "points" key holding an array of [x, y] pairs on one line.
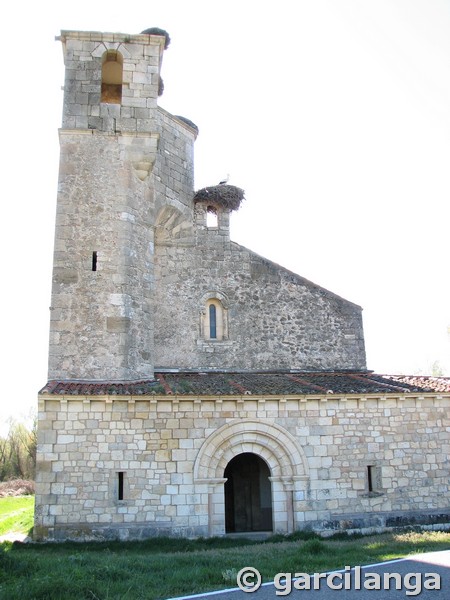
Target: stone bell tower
{"points": [[113, 177]]}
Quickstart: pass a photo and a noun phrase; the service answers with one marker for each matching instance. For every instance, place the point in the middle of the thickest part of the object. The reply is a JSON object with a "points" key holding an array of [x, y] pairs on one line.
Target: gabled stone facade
{"points": [[135, 262], [195, 387]]}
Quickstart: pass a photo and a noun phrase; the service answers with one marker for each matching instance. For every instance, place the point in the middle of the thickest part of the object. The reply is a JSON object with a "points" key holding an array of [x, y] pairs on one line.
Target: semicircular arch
{"points": [[171, 224], [273, 443]]}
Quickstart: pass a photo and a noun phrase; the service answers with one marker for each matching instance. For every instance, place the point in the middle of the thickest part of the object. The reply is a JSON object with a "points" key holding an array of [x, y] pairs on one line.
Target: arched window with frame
{"points": [[214, 320], [112, 77]]}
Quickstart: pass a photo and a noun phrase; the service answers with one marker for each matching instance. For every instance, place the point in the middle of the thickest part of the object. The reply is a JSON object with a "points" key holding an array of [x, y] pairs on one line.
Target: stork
{"points": [[225, 180]]}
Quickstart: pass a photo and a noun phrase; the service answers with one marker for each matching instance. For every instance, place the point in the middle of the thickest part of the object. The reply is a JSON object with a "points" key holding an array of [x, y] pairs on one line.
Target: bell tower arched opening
{"points": [[112, 73], [248, 494]]}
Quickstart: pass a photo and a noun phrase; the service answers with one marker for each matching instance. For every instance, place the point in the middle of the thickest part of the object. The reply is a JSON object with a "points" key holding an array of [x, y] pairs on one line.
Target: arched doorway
{"points": [[248, 494], [279, 449]]}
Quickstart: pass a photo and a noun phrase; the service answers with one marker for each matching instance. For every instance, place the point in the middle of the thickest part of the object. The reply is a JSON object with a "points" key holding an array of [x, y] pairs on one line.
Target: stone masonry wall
{"points": [[173, 176], [119, 163], [276, 319], [97, 314], [173, 452]]}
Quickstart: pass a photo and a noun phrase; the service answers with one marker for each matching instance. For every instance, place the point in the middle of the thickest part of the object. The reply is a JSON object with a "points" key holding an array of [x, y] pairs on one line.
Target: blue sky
{"points": [[332, 115]]}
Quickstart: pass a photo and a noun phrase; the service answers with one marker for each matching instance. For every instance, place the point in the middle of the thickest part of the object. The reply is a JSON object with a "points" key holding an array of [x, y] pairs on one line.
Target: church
{"points": [[196, 388]]}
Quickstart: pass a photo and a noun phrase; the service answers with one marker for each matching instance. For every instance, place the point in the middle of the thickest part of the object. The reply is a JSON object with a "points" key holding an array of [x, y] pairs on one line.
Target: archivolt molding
{"points": [[275, 445], [105, 46], [214, 294]]}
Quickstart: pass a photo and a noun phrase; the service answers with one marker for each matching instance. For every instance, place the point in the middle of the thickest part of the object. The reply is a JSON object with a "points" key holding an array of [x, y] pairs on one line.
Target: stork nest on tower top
{"points": [[221, 196], [158, 31]]}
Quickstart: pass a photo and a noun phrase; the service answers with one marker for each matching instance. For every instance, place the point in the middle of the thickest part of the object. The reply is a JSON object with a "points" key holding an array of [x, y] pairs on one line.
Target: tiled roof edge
{"points": [[261, 383]]}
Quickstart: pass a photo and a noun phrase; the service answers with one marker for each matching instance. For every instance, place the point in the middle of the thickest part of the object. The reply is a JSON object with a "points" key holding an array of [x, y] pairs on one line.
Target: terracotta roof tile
{"points": [[257, 383]]}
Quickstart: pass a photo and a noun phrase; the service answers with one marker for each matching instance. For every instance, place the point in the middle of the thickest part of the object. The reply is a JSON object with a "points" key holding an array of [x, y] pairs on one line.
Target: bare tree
{"points": [[18, 452]]}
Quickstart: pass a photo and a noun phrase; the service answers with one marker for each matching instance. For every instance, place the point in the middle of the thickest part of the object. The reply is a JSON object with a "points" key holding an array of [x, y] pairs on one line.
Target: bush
{"points": [[16, 487], [314, 547]]}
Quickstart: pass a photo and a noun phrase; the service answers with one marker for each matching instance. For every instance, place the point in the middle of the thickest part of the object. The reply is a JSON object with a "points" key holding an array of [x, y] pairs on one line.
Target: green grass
{"points": [[16, 514], [163, 568]]}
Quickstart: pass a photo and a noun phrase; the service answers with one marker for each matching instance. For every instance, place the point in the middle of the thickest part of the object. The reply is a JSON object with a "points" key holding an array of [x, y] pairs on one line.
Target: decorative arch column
{"points": [[285, 458]]}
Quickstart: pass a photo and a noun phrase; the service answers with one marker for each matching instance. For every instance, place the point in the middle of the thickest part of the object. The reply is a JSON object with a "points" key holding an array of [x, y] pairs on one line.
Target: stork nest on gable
{"points": [[221, 196]]}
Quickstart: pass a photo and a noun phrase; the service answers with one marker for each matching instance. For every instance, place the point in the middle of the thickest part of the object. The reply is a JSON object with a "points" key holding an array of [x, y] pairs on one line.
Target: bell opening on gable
{"points": [[211, 216]]}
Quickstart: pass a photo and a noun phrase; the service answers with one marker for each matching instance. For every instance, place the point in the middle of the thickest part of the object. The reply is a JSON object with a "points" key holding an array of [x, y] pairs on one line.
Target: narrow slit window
{"points": [[212, 321], [120, 485], [374, 480], [94, 261], [370, 479]]}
